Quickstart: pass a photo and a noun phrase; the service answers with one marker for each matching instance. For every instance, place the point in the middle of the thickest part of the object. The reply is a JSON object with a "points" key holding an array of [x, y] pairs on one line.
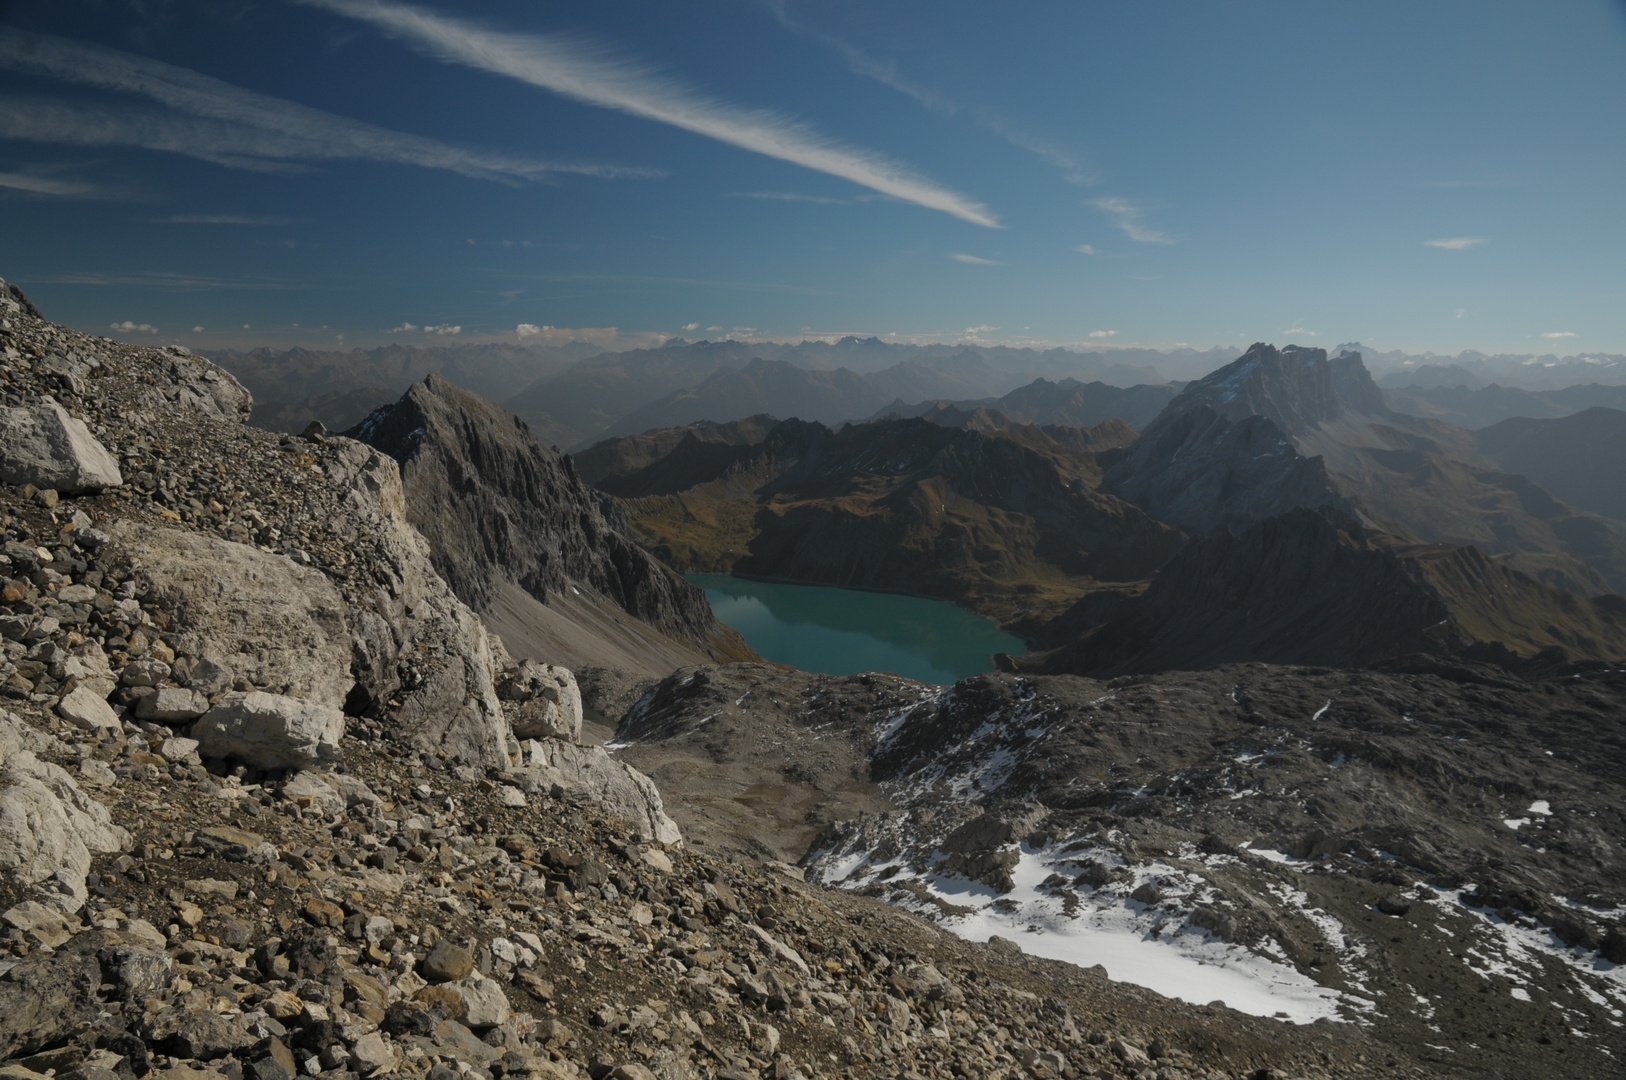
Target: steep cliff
{"points": [[500, 511]]}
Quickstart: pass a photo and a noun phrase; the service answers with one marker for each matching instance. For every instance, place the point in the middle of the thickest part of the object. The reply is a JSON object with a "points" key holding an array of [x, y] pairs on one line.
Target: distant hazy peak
{"points": [[1297, 388]]}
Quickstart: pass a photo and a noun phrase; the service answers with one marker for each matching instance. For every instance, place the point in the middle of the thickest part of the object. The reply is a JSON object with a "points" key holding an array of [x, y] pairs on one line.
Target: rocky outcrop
{"points": [[256, 616], [270, 731], [46, 447], [590, 774], [1295, 388], [49, 827], [497, 507], [541, 701], [232, 559]]}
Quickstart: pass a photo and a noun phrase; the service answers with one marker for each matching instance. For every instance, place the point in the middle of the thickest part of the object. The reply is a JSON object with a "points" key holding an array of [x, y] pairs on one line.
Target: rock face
{"points": [[541, 701], [46, 447], [498, 507], [590, 773], [49, 827], [255, 615], [1200, 470], [1296, 389], [269, 731]]}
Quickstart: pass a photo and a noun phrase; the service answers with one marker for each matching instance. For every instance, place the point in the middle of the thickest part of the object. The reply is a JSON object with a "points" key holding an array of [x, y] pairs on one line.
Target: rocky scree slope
{"points": [[182, 902], [498, 507], [1428, 851]]}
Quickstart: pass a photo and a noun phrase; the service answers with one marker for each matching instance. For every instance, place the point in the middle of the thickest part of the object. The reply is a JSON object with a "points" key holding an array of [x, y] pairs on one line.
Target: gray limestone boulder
{"points": [[44, 446], [542, 701], [414, 622], [591, 773], [256, 615], [172, 704], [49, 827], [270, 731], [83, 707]]}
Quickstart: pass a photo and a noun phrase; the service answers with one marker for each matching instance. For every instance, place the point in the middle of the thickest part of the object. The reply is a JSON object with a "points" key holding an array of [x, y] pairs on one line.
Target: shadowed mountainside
{"points": [[501, 511], [1581, 458], [1317, 588], [901, 506], [1413, 477]]}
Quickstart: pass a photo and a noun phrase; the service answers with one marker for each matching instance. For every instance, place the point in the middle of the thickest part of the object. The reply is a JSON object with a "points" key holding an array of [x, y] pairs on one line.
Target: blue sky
{"points": [[1433, 176]]}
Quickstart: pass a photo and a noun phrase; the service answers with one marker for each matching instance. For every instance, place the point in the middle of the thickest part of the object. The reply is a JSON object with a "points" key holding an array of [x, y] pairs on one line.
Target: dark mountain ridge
{"points": [[901, 506], [500, 510]]}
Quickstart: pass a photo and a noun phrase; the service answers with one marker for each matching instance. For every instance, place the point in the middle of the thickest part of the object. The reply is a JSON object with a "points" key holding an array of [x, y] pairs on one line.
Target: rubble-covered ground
{"points": [[1431, 853]]}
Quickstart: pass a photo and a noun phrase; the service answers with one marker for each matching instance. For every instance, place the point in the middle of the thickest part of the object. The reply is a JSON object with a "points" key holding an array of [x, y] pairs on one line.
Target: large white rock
{"points": [[49, 827], [87, 666], [44, 446], [590, 773], [85, 708], [259, 616], [542, 701], [270, 731], [484, 1004], [308, 788], [172, 704]]}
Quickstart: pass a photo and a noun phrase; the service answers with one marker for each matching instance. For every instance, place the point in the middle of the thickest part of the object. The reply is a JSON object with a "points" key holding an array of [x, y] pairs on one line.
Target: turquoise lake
{"points": [[843, 631]]}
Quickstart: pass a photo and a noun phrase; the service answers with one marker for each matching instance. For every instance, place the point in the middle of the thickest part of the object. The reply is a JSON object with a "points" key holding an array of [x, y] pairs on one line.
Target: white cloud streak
{"points": [[974, 260], [130, 327], [1127, 217], [1559, 334], [1456, 243], [1103, 333], [225, 219], [34, 184], [222, 123], [886, 72], [575, 68]]}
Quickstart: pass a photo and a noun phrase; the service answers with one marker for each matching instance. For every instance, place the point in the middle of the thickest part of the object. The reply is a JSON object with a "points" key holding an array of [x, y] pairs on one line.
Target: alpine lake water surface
{"points": [[845, 631]]}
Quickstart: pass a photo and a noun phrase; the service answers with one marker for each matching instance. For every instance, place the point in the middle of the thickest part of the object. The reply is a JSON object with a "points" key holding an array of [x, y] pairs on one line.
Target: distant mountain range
{"points": [[1276, 509], [1470, 407]]}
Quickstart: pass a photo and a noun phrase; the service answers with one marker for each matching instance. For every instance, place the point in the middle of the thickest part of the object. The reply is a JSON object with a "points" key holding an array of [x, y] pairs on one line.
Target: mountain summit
{"points": [[1296, 388]]}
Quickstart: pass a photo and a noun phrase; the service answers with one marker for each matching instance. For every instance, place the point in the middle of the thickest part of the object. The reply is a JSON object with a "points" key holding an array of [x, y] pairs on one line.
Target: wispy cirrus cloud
{"points": [[1456, 243], [862, 62], [796, 196], [1126, 216], [1559, 334], [974, 260], [221, 123], [1103, 333], [578, 69], [55, 187], [225, 219]]}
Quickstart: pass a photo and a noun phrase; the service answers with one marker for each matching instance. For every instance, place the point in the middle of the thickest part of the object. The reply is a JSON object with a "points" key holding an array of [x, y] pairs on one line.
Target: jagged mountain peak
{"points": [[1296, 387]]}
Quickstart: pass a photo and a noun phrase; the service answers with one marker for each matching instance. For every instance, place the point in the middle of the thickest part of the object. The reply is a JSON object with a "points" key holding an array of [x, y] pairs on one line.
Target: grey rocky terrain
{"points": [[266, 810], [1429, 851]]}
